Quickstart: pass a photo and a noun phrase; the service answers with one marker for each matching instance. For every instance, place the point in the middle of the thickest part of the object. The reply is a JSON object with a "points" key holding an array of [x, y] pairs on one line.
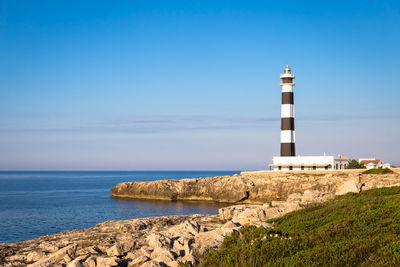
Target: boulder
{"points": [[17, 258], [138, 261], [91, 261], [187, 227], [102, 261], [55, 257], [228, 213], [119, 249], [163, 256], [250, 215], [211, 239], [75, 263], [152, 263], [35, 256], [243, 214], [48, 247], [348, 186], [230, 225], [157, 240]]}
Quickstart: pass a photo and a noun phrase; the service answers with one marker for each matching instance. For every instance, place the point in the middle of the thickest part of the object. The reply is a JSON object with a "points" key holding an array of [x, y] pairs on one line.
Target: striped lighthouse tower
{"points": [[287, 114]]}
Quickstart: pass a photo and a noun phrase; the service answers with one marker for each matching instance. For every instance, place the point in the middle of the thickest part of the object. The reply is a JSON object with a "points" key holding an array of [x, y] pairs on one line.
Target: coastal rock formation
{"points": [[234, 189], [168, 240], [253, 187]]}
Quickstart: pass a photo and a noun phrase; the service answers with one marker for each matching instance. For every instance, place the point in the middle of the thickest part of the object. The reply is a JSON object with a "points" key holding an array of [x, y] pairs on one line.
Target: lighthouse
{"points": [[288, 161], [287, 114]]}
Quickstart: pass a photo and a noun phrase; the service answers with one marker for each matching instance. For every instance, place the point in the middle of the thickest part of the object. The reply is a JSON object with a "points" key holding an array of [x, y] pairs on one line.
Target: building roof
{"points": [[367, 161]]}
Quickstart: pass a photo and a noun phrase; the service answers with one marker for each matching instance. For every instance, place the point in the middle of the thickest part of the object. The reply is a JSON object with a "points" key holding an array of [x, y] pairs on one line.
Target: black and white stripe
{"points": [[287, 114]]}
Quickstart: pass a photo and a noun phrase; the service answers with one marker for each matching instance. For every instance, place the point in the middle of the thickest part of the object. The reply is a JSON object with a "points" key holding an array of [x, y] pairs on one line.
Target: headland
{"points": [[252, 187], [168, 240]]}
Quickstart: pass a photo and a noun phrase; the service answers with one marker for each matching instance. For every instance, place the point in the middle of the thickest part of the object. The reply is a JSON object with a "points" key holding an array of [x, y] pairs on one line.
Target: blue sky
{"points": [[194, 84]]}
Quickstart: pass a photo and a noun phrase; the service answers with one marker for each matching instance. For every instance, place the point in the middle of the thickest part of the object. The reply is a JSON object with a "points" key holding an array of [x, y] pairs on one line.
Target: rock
{"points": [[265, 225], [146, 251], [91, 261], [189, 259], [102, 261], [234, 189], [228, 213], [48, 247], [152, 263], [183, 246], [250, 215], [119, 249], [35, 256], [67, 258], [93, 250], [156, 240], [310, 196], [243, 214], [187, 227], [348, 186], [211, 239], [56, 256], [138, 261], [295, 197], [133, 255], [230, 224], [163, 256], [75, 263], [17, 258]]}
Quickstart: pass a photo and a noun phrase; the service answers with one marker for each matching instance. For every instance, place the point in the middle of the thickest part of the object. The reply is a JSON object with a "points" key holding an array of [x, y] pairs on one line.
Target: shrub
{"points": [[353, 164]]}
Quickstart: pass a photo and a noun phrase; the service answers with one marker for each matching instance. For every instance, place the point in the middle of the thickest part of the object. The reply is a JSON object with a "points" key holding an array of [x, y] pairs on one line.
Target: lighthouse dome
{"points": [[287, 69]]}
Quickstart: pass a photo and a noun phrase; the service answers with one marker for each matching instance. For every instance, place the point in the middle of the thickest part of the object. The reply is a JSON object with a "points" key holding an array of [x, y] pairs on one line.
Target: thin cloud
{"points": [[181, 123]]}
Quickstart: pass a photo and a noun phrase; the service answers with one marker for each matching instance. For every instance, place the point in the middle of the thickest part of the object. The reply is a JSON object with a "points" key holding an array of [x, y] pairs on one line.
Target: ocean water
{"points": [[35, 203]]}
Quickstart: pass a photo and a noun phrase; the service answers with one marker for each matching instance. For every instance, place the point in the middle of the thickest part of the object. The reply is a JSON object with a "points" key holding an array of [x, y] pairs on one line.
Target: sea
{"points": [[35, 203]]}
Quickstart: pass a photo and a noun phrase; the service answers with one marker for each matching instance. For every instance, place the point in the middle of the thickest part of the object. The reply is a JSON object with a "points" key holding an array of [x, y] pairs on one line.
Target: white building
{"points": [[373, 163], [298, 163]]}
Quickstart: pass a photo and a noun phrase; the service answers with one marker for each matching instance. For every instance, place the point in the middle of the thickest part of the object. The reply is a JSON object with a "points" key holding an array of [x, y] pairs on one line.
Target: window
{"points": [[290, 168], [302, 167], [314, 167], [337, 166], [279, 167], [326, 167]]}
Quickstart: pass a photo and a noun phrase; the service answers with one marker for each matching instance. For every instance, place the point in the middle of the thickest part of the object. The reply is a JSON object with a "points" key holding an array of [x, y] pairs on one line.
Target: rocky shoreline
{"points": [[248, 187], [168, 240]]}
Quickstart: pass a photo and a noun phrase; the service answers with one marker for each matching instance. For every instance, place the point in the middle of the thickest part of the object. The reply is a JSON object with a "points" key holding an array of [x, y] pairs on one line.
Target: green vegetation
{"points": [[351, 230], [378, 171], [353, 164]]}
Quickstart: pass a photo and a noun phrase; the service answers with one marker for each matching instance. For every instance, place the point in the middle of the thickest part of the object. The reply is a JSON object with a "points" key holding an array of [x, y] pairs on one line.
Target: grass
{"points": [[378, 171], [351, 230]]}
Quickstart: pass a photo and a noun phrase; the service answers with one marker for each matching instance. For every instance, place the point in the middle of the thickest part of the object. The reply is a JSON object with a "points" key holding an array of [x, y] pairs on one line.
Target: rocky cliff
{"points": [[166, 241], [251, 187]]}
